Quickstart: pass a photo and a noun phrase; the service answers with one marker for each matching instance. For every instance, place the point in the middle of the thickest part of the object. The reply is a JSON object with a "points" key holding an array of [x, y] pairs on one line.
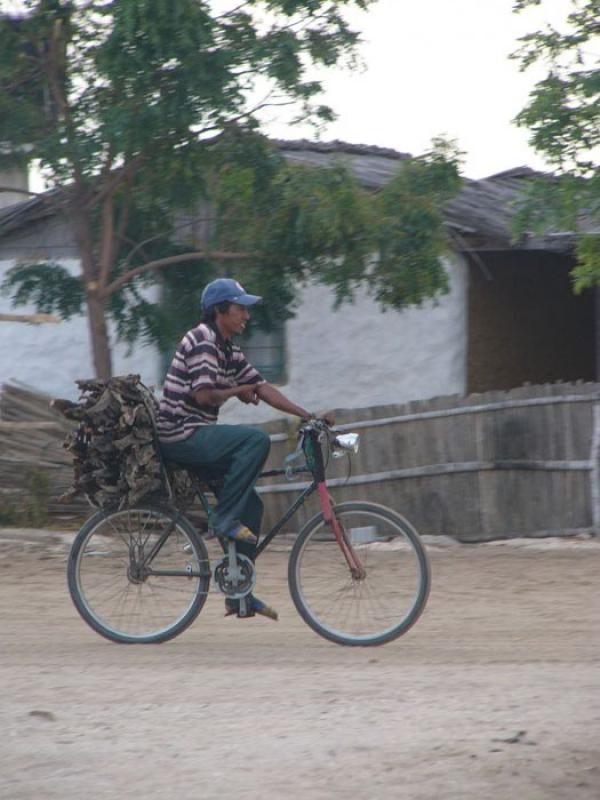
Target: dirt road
{"points": [[495, 693]]}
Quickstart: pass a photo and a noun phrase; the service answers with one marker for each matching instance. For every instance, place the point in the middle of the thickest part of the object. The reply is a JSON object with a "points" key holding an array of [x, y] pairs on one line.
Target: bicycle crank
{"points": [[235, 575]]}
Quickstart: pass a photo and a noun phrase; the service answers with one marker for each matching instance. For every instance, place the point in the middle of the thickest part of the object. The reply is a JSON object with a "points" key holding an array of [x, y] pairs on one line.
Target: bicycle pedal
{"points": [[244, 610], [235, 609]]}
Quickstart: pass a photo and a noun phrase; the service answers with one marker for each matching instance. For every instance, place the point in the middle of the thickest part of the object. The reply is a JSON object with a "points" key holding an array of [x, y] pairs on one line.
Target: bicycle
{"points": [[358, 572]]}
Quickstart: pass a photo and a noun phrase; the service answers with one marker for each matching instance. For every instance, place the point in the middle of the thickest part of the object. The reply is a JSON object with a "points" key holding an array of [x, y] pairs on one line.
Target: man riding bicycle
{"points": [[207, 370]]}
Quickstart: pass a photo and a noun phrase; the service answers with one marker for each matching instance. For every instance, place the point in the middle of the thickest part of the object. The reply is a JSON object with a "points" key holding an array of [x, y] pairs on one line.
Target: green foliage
{"points": [[410, 228], [100, 83], [143, 108], [563, 117], [319, 225], [50, 287], [295, 224], [587, 272], [308, 223]]}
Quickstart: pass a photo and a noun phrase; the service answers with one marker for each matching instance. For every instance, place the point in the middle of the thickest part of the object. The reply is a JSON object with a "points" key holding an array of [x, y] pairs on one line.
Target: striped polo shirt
{"points": [[203, 360]]}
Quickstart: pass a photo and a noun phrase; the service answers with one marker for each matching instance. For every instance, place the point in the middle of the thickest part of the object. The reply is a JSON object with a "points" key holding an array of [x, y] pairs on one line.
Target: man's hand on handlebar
{"points": [[329, 418]]}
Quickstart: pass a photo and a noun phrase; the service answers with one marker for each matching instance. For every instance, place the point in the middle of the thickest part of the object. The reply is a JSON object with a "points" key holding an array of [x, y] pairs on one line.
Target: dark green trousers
{"points": [[236, 454]]}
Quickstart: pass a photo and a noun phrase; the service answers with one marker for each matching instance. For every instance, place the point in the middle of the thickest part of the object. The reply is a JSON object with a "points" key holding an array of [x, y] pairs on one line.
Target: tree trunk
{"points": [[597, 330], [99, 336], [95, 299]]}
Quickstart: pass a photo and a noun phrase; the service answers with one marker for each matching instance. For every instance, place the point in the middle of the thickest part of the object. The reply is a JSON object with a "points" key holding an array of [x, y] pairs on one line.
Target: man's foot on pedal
{"points": [[253, 606], [242, 534]]}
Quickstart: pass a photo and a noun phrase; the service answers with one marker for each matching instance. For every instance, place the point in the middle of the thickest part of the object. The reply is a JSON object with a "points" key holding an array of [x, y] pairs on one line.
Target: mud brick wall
{"points": [[525, 324]]}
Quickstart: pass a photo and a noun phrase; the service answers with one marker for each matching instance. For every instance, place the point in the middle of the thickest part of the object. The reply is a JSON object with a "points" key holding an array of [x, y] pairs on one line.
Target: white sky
{"points": [[433, 67]]}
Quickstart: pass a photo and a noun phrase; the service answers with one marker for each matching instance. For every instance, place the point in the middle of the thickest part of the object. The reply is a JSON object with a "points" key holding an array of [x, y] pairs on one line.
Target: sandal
{"points": [[253, 606]]}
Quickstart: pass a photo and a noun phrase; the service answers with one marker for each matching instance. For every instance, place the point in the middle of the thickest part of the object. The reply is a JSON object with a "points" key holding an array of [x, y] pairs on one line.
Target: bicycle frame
{"points": [[298, 502], [314, 466], [201, 495], [317, 472]]}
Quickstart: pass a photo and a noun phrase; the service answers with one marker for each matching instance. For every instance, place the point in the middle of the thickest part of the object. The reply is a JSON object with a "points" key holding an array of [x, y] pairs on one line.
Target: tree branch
{"points": [[107, 242], [138, 246], [51, 67], [35, 319], [118, 176], [238, 118], [123, 217], [232, 11], [160, 263]]}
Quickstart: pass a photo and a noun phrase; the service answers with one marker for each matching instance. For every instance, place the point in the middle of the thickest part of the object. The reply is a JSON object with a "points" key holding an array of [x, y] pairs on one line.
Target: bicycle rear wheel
{"points": [[379, 605], [122, 593]]}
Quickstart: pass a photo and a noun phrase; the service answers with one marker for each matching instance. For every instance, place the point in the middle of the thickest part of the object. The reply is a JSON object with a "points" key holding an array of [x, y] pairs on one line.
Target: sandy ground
{"points": [[495, 693]]}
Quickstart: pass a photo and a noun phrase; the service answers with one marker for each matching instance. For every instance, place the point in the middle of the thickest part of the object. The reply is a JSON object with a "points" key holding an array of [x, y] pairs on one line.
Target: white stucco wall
{"points": [[353, 357], [50, 357], [358, 356]]}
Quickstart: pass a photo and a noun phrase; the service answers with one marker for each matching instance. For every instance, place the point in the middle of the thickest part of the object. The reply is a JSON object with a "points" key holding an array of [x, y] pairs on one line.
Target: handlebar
{"points": [[314, 424], [312, 432], [348, 442]]}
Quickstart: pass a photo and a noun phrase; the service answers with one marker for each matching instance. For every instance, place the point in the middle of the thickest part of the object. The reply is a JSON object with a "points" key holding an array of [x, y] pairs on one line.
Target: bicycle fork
{"points": [[354, 564]]}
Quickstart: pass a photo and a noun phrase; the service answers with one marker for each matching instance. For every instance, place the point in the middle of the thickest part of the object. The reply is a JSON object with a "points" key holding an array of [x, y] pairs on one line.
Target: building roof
{"points": [[25, 211], [478, 217], [373, 166]]}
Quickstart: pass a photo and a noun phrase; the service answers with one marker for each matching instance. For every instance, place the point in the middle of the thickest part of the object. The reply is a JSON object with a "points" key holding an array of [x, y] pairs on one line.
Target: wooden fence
{"points": [[497, 465], [525, 462], [34, 467]]}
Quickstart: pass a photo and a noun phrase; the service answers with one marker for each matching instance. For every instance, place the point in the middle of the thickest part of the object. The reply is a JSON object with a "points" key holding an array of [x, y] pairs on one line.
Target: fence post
{"points": [[595, 469]]}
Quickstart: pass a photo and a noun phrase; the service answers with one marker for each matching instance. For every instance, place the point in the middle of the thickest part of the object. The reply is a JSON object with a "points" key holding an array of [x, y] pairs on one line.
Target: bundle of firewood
{"points": [[114, 447]]}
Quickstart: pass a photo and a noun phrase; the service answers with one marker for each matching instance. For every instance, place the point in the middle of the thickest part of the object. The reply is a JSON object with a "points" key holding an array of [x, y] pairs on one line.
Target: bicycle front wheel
{"points": [[381, 602], [138, 576]]}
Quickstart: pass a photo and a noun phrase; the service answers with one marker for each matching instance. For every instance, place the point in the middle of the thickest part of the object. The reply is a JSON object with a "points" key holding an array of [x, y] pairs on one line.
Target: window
{"points": [[267, 352]]}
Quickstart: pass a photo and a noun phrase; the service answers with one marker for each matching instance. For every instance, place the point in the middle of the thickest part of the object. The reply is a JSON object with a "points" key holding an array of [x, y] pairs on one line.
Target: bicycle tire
{"points": [[131, 611], [321, 583]]}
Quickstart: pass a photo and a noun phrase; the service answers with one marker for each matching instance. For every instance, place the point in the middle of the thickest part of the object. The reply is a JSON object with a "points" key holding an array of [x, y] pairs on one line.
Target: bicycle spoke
{"points": [[115, 593], [382, 602]]}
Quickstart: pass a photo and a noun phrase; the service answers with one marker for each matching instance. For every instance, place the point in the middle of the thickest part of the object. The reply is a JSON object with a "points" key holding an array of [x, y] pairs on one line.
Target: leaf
{"points": [[47, 285], [587, 272], [141, 112], [563, 118]]}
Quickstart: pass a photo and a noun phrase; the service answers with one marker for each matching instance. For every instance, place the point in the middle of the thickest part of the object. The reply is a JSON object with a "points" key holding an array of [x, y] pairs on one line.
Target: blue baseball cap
{"points": [[223, 289]]}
